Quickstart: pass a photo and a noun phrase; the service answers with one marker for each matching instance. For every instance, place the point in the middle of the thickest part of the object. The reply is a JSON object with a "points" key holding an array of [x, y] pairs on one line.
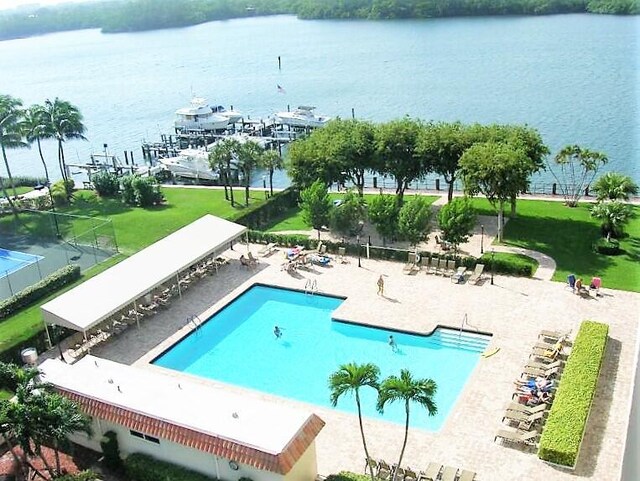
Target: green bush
{"points": [[347, 476], [46, 286], [510, 264], [140, 467], [62, 191], [564, 429], [111, 451], [83, 476], [141, 191], [258, 216], [106, 183], [607, 247]]}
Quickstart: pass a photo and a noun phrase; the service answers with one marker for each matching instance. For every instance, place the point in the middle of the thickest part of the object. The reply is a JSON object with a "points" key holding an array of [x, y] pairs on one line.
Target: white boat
{"points": [[233, 115], [190, 164], [303, 116], [200, 116]]}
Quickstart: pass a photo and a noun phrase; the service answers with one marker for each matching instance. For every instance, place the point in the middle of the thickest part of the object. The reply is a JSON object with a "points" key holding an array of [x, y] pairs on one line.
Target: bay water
{"points": [[573, 77]]}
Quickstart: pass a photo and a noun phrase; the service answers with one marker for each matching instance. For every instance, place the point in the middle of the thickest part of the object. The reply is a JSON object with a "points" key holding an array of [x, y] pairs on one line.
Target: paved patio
{"points": [[513, 309]]}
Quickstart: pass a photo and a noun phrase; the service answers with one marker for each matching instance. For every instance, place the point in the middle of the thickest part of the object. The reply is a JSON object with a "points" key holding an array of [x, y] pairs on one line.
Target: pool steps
{"points": [[468, 341]]}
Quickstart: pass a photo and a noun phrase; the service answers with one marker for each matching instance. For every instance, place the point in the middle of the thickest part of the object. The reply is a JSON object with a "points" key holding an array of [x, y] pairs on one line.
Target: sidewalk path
{"points": [[546, 265]]}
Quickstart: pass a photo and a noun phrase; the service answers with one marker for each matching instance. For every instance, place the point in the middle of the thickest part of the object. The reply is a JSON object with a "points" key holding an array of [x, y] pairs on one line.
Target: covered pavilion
{"points": [[100, 297]]}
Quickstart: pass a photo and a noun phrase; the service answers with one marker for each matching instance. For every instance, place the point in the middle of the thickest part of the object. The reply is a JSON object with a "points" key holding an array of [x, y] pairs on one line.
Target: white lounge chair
{"points": [[477, 274], [266, 250]]}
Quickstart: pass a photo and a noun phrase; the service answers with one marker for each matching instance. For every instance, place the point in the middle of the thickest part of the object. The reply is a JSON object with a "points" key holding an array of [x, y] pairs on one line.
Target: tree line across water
{"points": [[138, 15]]}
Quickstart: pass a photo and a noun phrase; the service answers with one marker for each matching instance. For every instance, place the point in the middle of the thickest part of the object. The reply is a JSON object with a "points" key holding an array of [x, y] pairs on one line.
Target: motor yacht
{"points": [[201, 116], [190, 164], [303, 116]]}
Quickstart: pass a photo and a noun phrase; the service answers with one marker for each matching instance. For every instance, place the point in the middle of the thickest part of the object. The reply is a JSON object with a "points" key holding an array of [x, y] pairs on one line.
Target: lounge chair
{"points": [[266, 250], [547, 355], [466, 475], [369, 462], [524, 437], [384, 470], [449, 473], [536, 371], [450, 267], [526, 419], [545, 366], [554, 335], [410, 475], [342, 252], [433, 265], [411, 266], [431, 473], [424, 263], [458, 276], [252, 260], [398, 472], [477, 274], [523, 408]]}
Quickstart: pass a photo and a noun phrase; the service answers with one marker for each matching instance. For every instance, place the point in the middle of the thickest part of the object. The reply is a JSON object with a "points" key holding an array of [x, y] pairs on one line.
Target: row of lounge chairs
{"points": [[535, 389], [441, 266], [433, 472]]}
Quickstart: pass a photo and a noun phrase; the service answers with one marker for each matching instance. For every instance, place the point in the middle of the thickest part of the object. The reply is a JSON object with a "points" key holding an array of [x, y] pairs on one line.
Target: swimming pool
{"points": [[237, 346], [11, 261]]}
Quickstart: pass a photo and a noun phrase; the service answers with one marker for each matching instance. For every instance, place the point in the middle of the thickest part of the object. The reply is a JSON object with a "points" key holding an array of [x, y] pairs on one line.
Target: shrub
{"points": [[563, 432], [83, 476], [46, 286], [346, 218], [258, 216], [347, 476], [141, 467], [111, 451], [62, 191], [128, 192], [106, 183], [139, 191], [511, 264], [606, 247]]}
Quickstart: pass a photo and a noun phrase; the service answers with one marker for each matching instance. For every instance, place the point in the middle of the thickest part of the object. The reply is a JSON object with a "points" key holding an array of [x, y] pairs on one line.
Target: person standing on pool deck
{"points": [[380, 286], [277, 332], [392, 343]]}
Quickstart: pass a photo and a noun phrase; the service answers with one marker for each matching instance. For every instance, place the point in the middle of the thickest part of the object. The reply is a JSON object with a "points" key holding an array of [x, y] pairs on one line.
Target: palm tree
{"points": [[249, 156], [10, 134], [271, 161], [36, 128], [349, 378], [221, 155], [613, 215], [406, 388], [65, 121], [615, 186]]}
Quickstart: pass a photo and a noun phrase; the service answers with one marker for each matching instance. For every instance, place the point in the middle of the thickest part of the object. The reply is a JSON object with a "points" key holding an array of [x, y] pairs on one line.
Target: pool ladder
{"points": [[192, 320], [311, 286], [465, 320]]}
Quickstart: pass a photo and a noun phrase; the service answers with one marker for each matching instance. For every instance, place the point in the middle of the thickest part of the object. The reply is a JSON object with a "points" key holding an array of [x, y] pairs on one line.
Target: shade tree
{"points": [[65, 123], [456, 221], [495, 170], [383, 213], [315, 205], [413, 220], [10, 138], [349, 215]]}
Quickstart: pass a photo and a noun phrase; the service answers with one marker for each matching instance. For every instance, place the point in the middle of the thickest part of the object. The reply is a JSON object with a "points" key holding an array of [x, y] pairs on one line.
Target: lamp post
{"points": [[481, 239], [264, 185], [358, 242], [493, 253]]}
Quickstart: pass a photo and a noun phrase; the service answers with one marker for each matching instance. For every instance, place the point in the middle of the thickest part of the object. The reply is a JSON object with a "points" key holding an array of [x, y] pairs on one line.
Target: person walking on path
{"points": [[380, 286]]}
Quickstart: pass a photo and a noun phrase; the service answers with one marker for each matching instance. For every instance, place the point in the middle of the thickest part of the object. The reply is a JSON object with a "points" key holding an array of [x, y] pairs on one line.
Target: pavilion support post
{"points": [[178, 284], [135, 309], [246, 236], [49, 342]]}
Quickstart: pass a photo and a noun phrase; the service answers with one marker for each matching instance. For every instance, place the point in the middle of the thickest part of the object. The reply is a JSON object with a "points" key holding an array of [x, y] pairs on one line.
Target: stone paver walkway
{"points": [[514, 310]]}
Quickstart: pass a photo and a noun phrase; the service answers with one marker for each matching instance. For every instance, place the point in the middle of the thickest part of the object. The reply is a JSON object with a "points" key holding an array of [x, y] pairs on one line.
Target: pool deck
{"points": [[514, 310]]}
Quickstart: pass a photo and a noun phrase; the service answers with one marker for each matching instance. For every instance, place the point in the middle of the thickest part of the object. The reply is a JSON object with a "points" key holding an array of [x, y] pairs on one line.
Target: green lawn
{"points": [[135, 229], [292, 218], [19, 191], [567, 234]]}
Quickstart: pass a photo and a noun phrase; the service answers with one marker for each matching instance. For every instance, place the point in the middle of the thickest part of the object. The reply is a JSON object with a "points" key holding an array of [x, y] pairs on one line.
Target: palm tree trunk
{"points": [[247, 178], [6, 195], [406, 435], [47, 466], [6, 164], [230, 182], [44, 164], [271, 181], [56, 450], [19, 462], [364, 441], [61, 162]]}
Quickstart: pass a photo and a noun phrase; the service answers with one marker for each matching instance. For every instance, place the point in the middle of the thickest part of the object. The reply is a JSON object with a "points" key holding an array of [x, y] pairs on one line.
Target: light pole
{"points": [[358, 242], [264, 185], [481, 239], [493, 253]]}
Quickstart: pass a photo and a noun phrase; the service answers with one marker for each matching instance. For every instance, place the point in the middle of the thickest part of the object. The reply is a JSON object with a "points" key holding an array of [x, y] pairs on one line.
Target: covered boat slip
{"points": [[95, 300]]}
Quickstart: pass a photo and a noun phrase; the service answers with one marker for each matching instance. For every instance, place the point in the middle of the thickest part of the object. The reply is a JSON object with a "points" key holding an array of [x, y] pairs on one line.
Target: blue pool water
{"points": [[11, 261], [237, 346]]}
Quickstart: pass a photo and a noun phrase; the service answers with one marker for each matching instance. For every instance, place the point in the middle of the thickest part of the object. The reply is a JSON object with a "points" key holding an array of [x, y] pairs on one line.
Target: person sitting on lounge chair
{"points": [[579, 287], [244, 261]]}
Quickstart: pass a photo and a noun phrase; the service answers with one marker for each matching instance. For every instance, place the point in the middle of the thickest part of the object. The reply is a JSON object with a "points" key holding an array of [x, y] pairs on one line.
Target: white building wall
{"points": [[205, 463]]}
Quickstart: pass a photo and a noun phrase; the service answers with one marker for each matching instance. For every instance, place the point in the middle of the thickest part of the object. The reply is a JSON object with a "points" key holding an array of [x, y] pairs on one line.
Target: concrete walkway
{"points": [[546, 265]]}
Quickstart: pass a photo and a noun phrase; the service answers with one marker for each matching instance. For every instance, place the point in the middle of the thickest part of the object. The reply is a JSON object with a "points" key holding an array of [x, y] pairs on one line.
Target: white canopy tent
{"points": [[101, 296]]}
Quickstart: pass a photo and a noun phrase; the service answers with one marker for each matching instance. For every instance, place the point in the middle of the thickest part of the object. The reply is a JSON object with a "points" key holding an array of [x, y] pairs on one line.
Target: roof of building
{"points": [[258, 433], [101, 296]]}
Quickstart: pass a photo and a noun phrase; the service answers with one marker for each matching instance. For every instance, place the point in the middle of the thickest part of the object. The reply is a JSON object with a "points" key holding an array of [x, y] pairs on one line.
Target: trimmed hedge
{"points": [[510, 264], [258, 216], [141, 467], [31, 294], [564, 429], [347, 476]]}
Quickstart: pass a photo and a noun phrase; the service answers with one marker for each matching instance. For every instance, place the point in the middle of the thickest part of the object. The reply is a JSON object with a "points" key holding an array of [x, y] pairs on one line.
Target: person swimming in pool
{"points": [[277, 332], [392, 343]]}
